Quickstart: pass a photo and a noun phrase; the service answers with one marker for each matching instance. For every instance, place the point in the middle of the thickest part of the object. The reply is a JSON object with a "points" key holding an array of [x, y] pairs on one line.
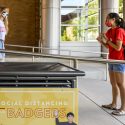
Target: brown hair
{"points": [[3, 8]]}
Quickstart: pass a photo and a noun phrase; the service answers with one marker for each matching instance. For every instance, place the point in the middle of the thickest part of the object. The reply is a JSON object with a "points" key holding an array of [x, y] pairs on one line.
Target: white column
{"points": [[51, 25], [107, 6]]}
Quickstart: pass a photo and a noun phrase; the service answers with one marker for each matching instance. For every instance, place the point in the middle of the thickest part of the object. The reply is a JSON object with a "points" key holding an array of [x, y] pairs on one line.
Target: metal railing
{"points": [[63, 57], [69, 51], [45, 48], [75, 59]]}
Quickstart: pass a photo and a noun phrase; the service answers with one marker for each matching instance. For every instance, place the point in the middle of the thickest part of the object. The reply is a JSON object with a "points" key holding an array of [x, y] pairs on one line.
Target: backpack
{"points": [[123, 46]]}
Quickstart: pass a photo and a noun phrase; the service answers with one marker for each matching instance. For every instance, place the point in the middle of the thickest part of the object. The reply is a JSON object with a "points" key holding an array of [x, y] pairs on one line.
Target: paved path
{"points": [[92, 94]]}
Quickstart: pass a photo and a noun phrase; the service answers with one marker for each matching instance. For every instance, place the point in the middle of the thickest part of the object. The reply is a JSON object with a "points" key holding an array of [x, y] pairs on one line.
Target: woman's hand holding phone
{"points": [[102, 38]]}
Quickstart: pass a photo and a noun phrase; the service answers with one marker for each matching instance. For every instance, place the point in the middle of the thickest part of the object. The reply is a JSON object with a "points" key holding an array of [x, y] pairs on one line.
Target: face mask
{"points": [[5, 14], [108, 24]]}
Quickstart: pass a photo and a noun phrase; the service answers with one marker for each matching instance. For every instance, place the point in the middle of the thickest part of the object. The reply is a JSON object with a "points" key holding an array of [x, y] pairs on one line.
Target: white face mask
{"points": [[4, 14]]}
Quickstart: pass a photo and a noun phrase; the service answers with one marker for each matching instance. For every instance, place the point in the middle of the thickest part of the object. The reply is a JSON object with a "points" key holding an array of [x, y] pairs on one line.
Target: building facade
{"points": [[71, 25]]}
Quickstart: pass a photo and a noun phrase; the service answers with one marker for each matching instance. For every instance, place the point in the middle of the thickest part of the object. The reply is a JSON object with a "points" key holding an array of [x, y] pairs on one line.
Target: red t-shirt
{"points": [[114, 35]]}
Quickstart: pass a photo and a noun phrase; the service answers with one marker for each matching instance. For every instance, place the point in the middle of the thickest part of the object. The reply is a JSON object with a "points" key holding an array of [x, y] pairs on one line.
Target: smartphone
{"points": [[5, 14]]}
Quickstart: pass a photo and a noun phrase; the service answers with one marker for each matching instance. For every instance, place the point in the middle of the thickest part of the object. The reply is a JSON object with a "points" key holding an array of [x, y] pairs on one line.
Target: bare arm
{"points": [[116, 46], [104, 44], [6, 24]]}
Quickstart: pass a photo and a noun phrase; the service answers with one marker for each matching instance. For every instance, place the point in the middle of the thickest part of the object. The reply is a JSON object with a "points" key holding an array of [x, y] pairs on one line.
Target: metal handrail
{"points": [[32, 47], [63, 57], [13, 45], [75, 59]]}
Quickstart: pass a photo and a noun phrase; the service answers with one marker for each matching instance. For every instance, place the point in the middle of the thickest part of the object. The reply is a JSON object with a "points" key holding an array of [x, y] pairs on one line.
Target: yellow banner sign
{"points": [[38, 106]]}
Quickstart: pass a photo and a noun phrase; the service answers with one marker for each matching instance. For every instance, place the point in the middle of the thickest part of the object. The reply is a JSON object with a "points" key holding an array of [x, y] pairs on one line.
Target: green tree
{"points": [[121, 8]]}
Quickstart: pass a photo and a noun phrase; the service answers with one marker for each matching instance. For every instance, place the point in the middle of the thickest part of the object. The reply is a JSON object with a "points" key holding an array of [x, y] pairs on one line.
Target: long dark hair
{"points": [[118, 20]]}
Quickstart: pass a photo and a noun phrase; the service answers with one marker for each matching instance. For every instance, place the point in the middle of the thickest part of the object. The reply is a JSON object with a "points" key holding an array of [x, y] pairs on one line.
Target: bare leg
{"points": [[115, 90], [120, 78]]}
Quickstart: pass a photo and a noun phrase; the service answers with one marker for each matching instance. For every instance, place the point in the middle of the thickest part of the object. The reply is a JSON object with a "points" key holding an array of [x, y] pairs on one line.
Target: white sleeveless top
{"points": [[2, 30]]}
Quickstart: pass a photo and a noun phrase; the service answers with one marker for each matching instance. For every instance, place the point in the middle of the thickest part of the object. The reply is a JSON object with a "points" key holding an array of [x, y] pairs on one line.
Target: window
{"points": [[79, 20], [121, 8]]}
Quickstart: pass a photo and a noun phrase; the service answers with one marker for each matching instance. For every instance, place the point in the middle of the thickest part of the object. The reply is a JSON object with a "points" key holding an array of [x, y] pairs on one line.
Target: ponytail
{"points": [[121, 23]]}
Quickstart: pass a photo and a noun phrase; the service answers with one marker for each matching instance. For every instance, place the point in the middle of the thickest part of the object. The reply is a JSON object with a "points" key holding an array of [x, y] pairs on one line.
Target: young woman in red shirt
{"points": [[114, 39]]}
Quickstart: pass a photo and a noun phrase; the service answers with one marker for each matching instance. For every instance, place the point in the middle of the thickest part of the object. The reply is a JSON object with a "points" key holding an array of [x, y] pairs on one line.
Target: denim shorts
{"points": [[117, 67], [2, 55]]}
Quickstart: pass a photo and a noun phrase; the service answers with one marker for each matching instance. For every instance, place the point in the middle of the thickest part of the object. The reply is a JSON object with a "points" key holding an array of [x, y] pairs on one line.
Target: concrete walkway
{"points": [[92, 94]]}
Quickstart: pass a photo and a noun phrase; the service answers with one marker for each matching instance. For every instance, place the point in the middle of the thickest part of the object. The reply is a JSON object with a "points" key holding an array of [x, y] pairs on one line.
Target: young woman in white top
{"points": [[4, 12]]}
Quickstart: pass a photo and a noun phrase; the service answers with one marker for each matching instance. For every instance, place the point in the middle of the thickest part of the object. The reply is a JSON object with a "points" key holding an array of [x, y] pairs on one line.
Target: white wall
{"points": [[82, 47]]}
